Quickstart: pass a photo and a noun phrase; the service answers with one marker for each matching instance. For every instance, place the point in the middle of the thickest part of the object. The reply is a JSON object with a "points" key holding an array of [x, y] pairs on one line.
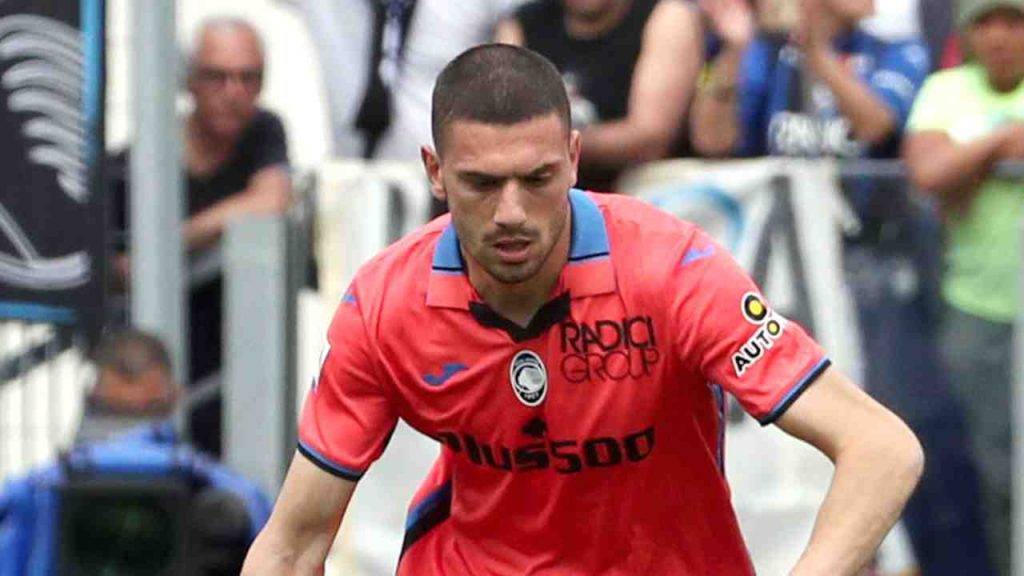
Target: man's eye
{"points": [[484, 183], [537, 180]]}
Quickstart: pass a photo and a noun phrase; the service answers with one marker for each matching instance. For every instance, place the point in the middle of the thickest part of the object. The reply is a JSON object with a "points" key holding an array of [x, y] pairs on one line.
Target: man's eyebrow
{"points": [[476, 175], [543, 168]]}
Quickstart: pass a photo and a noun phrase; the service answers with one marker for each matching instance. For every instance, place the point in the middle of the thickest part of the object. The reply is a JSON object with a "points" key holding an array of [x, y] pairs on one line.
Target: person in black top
{"points": [[236, 159], [630, 67]]}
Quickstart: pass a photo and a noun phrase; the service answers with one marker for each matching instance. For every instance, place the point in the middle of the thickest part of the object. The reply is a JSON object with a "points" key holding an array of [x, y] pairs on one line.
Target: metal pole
{"points": [[157, 263], [259, 359]]}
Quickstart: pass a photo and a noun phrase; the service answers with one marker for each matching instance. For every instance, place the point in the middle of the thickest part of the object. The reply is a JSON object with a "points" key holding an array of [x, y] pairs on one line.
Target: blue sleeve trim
{"points": [[327, 466], [440, 493], [799, 388], [428, 514]]}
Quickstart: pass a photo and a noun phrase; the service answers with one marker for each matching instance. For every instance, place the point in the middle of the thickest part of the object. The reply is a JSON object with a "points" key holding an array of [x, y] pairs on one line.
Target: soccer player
{"points": [[570, 352]]}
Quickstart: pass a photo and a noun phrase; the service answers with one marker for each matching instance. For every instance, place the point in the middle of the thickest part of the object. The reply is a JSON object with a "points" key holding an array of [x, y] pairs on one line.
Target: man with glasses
{"points": [[236, 160]]}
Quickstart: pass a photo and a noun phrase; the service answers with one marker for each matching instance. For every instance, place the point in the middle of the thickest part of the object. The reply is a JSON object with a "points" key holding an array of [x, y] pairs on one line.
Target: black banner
{"points": [[52, 208]]}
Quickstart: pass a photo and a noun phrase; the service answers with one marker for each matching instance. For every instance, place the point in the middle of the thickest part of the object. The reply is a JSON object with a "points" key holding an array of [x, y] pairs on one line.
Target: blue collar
{"points": [[588, 272], [589, 236]]}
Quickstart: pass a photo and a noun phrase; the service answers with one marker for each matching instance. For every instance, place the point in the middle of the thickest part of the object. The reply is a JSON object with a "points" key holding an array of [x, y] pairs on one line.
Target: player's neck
{"points": [[520, 302]]}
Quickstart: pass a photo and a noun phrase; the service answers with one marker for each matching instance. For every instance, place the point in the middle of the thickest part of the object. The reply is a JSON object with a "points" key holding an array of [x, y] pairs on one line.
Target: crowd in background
{"points": [[937, 83]]}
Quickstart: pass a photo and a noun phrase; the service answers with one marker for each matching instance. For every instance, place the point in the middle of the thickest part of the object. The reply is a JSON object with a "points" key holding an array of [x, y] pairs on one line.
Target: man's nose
{"points": [[510, 211]]}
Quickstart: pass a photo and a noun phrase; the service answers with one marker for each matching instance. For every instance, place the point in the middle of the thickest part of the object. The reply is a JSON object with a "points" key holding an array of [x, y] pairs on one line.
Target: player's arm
{"points": [[780, 375], [298, 536], [878, 462], [345, 423], [663, 81]]}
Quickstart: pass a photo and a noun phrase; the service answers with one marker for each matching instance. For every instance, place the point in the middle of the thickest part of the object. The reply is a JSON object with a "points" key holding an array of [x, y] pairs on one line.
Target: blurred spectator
{"points": [[812, 83], [929, 20], [824, 88], [894, 20], [236, 159], [630, 67], [937, 27], [126, 433], [965, 121], [379, 78]]}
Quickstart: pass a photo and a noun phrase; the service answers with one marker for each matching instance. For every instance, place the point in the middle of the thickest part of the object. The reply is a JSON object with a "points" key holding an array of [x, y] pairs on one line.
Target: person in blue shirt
{"points": [[126, 431], [823, 88]]}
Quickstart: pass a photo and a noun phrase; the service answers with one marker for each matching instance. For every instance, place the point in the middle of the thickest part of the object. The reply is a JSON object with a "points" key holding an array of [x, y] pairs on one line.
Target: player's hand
{"points": [[1013, 141], [731, 20]]}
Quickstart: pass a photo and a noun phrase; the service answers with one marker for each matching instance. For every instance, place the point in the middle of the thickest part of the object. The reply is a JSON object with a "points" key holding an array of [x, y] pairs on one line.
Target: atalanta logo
{"points": [[529, 378]]}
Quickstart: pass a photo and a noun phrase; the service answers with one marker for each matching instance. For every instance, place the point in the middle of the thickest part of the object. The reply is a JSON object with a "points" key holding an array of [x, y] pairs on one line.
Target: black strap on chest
{"points": [[549, 314]]}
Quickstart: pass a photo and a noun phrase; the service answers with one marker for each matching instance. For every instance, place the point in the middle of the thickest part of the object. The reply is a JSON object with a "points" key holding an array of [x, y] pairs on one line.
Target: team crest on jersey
{"points": [[770, 328], [529, 378]]}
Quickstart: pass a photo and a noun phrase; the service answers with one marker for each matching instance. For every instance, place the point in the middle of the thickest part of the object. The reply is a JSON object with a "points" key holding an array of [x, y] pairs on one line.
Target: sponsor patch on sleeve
{"points": [[770, 327]]}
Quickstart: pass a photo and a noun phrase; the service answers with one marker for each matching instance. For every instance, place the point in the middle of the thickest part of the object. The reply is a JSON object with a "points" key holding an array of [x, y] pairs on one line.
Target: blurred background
{"points": [[189, 186]]}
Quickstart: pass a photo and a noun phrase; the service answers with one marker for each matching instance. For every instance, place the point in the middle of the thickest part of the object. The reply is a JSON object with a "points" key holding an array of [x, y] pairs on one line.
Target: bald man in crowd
{"points": [[236, 162]]}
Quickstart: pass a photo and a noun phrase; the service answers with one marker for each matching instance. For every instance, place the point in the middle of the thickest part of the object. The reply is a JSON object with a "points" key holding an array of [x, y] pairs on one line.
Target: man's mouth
{"points": [[512, 251]]}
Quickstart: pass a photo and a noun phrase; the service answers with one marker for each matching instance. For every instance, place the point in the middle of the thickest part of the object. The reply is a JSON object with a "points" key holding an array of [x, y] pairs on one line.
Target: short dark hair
{"points": [[130, 352], [497, 84]]}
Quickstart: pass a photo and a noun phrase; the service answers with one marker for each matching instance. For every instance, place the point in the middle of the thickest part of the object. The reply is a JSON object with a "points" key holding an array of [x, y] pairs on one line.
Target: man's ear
{"points": [[575, 148], [432, 164]]}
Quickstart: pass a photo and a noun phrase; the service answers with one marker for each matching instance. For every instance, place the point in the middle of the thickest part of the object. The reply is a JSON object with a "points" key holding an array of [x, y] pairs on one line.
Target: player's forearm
{"points": [[300, 532], [873, 480], [272, 555], [870, 119]]}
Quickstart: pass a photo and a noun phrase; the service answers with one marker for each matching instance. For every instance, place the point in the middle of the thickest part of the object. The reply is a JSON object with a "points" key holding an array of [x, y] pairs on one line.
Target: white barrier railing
{"points": [[40, 394]]}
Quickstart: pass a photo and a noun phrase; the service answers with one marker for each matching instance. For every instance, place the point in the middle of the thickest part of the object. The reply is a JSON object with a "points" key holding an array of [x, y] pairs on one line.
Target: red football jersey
{"points": [[589, 442]]}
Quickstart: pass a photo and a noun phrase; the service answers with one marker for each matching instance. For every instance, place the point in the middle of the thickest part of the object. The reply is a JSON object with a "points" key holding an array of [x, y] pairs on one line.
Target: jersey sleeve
{"points": [[729, 333], [348, 415]]}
